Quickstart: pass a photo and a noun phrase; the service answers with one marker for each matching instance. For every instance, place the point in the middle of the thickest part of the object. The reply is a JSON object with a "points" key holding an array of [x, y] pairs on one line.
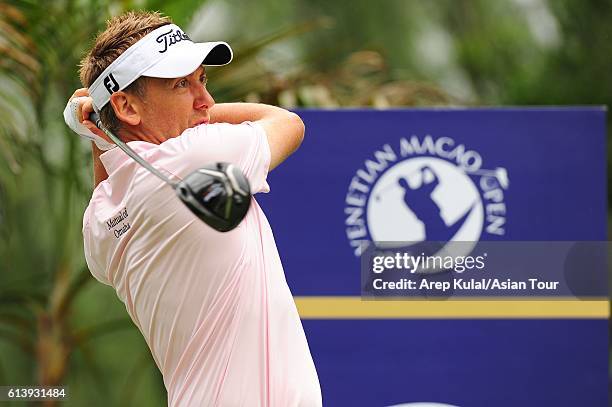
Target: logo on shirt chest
{"points": [[118, 224]]}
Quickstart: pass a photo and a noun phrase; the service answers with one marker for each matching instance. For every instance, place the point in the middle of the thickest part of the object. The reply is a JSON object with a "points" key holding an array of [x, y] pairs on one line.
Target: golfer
{"points": [[214, 308]]}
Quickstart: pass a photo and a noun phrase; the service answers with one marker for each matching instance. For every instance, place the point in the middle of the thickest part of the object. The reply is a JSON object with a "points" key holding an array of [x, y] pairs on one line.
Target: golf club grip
{"points": [[95, 118]]}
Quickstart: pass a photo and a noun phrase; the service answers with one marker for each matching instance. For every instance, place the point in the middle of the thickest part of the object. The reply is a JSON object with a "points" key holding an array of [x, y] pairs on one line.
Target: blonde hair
{"points": [[121, 32]]}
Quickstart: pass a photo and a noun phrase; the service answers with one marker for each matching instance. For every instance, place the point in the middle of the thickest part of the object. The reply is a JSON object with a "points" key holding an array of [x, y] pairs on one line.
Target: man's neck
{"points": [[98, 168]]}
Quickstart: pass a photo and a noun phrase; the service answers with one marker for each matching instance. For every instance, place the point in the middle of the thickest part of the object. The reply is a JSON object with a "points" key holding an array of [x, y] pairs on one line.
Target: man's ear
{"points": [[127, 107]]}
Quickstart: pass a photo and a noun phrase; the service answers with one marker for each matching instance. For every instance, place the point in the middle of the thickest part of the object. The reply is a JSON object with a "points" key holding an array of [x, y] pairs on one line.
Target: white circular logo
{"points": [[425, 189], [424, 199]]}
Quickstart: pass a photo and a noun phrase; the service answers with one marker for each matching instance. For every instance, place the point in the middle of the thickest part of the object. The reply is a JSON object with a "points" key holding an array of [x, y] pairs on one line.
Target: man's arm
{"points": [[284, 129]]}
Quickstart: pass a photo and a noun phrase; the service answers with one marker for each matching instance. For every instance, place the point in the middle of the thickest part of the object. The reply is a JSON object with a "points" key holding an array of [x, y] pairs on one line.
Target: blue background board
{"points": [[479, 363], [556, 162]]}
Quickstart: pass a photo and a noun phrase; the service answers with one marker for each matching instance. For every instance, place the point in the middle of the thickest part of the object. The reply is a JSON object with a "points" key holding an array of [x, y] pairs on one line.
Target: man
{"points": [[214, 308]]}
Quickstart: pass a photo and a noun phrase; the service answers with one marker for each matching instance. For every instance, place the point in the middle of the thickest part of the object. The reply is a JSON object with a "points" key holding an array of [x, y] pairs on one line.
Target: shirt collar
{"points": [[116, 157]]}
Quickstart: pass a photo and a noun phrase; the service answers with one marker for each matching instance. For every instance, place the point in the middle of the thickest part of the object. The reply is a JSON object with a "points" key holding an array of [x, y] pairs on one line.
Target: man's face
{"points": [[170, 106]]}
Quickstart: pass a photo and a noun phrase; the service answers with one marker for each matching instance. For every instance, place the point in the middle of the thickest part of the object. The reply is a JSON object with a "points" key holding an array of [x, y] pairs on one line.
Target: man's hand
{"points": [[82, 111], [84, 108], [284, 129]]}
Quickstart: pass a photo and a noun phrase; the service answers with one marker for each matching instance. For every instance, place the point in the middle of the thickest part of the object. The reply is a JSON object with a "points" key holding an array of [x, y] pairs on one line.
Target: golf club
{"points": [[219, 194]]}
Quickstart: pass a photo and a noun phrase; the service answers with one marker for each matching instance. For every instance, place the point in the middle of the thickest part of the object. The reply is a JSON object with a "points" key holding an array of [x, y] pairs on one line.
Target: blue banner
{"points": [[463, 175]]}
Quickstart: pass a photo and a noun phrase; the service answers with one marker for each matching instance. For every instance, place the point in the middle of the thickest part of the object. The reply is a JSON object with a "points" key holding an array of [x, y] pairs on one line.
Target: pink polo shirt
{"points": [[214, 308]]}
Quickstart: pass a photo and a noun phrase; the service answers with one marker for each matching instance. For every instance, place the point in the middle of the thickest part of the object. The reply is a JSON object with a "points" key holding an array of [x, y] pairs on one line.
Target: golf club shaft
{"points": [[95, 118]]}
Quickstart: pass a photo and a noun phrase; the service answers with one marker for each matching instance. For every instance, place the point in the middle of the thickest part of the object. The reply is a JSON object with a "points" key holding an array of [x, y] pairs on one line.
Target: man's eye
{"points": [[204, 80], [182, 83]]}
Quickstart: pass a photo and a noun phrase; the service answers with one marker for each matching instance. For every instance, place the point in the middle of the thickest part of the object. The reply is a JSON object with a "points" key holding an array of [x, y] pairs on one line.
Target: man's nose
{"points": [[203, 99]]}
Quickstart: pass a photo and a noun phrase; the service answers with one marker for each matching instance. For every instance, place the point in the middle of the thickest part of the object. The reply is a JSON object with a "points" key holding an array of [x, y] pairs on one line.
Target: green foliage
{"points": [[181, 12]]}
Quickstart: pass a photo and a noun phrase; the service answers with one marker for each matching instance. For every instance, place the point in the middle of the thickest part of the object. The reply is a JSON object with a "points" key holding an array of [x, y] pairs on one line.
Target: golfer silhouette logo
{"points": [[421, 203], [423, 199]]}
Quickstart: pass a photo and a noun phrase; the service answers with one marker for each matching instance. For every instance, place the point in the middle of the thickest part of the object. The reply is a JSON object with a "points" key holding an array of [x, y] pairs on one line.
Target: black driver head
{"points": [[219, 194]]}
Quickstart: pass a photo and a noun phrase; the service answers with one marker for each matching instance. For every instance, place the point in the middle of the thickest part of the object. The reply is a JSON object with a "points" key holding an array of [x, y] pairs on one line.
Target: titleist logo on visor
{"points": [[170, 38]]}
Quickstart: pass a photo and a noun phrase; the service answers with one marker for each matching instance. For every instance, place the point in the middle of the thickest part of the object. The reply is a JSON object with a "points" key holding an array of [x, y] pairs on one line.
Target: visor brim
{"points": [[186, 57]]}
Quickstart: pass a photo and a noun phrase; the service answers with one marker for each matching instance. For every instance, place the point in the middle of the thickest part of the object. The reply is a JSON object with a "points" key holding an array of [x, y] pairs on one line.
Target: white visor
{"points": [[166, 52]]}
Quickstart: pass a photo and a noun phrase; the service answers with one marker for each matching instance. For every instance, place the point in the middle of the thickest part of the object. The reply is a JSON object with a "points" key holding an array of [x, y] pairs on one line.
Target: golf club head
{"points": [[219, 194]]}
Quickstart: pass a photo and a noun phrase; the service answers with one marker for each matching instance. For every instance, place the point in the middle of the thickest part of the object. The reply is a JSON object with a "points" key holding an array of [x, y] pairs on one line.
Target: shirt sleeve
{"points": [[95, 268], [244, 145]]}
